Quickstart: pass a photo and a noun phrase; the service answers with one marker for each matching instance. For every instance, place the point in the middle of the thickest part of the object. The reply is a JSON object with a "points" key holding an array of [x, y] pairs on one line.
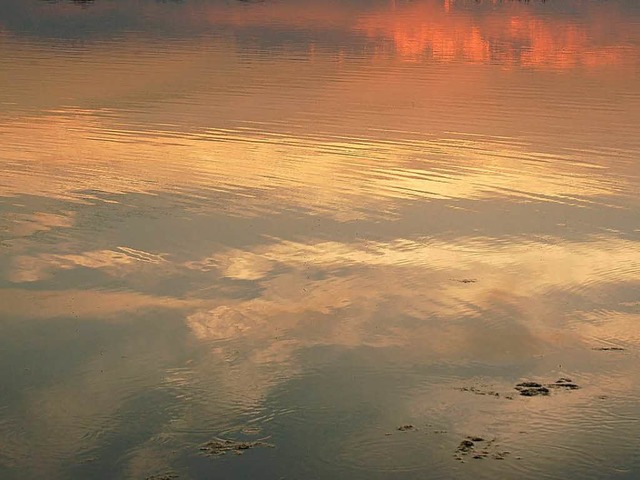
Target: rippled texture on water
{"points": [[309, 223]]}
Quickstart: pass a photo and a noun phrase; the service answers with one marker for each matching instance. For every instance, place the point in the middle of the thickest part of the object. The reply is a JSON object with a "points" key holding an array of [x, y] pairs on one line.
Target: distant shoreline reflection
{"points": [[512, 34]]}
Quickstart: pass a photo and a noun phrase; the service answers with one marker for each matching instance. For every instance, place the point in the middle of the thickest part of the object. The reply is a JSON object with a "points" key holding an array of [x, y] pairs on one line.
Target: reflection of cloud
{"points": [[24, 225], [508, 36], [515, 278], [567, 265], [244, 266], [421, 27], [45, 304], [34, 268]]}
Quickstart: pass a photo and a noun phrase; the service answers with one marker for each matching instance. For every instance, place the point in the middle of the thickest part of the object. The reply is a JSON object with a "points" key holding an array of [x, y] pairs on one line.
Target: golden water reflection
{"points": [[269, 171]]}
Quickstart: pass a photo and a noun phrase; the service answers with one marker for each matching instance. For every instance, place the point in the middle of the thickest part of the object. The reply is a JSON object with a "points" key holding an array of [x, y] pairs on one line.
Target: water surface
{"points": [[313, 222]]}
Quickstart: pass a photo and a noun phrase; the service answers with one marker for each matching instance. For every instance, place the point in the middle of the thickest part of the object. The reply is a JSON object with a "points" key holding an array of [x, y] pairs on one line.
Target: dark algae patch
{"points": [[406, 428], [478, 448], [465, 446], [526, 389], [481, 390], [564, 383], [532, 389], [221, 446]]}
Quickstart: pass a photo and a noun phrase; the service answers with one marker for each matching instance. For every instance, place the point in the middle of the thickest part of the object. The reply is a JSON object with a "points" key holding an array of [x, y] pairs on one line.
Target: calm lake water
{"points": [[308, 223]]}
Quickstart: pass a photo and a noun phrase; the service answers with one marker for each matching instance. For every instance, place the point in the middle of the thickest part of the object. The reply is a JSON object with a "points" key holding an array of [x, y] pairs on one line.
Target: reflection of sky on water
{"points": [[259, 308], [372, 174], [316, 222]]}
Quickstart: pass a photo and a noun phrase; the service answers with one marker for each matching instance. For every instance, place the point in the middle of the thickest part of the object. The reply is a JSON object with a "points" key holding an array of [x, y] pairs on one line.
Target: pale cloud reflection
{"points": [[508, 279], [117, 262], [50, 304], [544, 265], [27, 224], [243, 266]]}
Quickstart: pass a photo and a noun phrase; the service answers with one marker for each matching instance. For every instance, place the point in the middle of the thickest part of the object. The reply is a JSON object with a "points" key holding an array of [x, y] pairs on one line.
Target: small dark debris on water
{"points": [[500, 455], [221, 446], [487, 449], [465, 280], [609, 349], [526, 389], [406, 428], [564, 383], [465, 446], [529, 385], [162, 477], [531, 389], [479, 391]]}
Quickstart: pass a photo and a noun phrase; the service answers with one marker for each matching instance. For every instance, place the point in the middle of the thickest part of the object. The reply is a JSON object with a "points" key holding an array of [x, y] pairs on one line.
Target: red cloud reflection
{"points": [[509, 35], [512, 33]]}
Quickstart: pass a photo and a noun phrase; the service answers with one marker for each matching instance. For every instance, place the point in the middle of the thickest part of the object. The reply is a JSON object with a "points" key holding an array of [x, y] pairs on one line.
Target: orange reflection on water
{"points": [[526, 34], [515, 36], [560, 46], [421, 27]]}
